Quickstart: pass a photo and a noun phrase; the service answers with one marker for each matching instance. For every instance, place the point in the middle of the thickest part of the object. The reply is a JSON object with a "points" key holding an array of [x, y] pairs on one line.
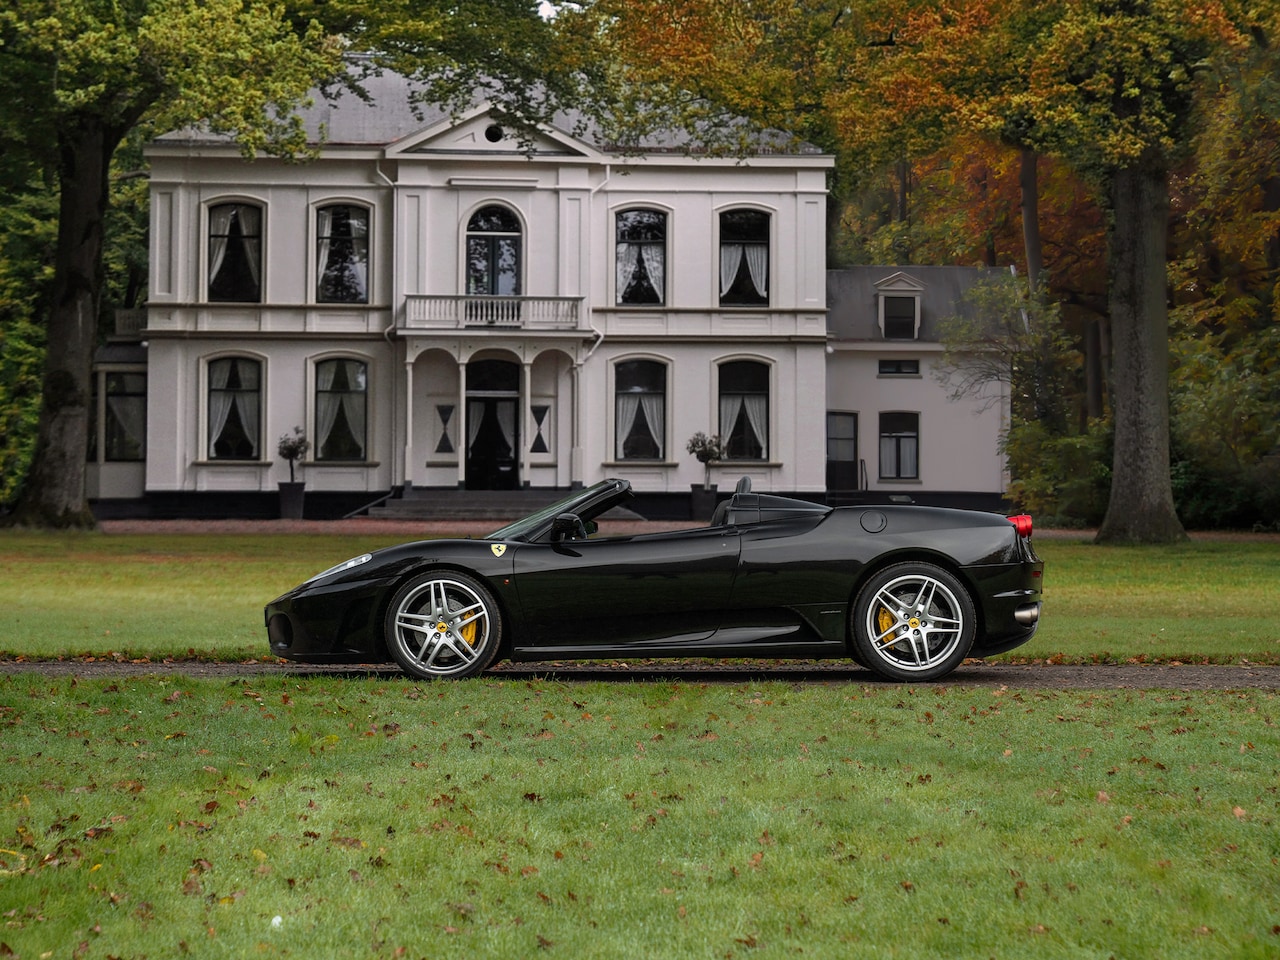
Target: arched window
{"points": [[493, 253], [640, 392], [342, 254], [641, 250], [235, 253], [341, 409], [235, 405], [744, 258], [744, 409]]}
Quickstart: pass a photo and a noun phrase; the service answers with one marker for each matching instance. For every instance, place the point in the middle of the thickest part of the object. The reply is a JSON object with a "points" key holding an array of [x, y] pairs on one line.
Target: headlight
{"points": [[342, 567]]}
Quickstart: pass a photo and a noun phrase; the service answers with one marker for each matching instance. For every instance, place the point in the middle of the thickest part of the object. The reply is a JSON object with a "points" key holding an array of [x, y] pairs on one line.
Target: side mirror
{"points": [[567, 526]]}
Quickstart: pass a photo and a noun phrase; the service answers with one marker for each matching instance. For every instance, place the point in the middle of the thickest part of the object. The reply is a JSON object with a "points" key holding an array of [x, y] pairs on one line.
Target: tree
{"points": [[1109, 86], [77, 77]]}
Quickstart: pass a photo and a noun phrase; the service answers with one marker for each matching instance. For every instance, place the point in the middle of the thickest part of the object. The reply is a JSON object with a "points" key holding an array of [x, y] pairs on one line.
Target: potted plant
{"points": [[703, 496], [292, 448]]}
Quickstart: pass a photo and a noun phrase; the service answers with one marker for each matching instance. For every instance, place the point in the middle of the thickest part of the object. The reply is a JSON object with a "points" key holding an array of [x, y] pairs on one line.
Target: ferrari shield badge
{"points": [[498, 549]]}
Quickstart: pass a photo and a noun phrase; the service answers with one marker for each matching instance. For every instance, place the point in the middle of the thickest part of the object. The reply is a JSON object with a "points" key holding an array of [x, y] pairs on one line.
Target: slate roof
{"points": [[852, 313]]}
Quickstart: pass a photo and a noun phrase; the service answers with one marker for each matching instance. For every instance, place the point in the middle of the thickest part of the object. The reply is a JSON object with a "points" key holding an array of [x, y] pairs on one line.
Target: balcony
{"points": [[422, 312]]}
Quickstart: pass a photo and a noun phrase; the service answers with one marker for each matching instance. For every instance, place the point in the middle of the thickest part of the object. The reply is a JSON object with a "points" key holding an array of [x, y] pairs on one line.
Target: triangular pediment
{"points": [[899, 283], [476, 133]]}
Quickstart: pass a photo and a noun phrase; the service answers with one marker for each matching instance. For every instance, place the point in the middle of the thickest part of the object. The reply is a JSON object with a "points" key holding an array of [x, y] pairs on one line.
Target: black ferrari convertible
{"points": [[907, 591]]}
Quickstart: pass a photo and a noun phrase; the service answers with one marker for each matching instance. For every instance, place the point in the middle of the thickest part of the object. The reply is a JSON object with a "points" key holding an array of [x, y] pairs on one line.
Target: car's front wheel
{"points": [[443, 624], [913, 621]]}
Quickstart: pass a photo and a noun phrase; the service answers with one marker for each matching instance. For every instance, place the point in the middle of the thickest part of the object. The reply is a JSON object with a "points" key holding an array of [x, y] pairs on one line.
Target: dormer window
{"points": [[898, 307], [900, 318]]}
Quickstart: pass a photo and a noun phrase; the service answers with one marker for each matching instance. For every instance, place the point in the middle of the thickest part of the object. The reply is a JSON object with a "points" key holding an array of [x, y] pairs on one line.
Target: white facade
{"points": [[513, 315]]}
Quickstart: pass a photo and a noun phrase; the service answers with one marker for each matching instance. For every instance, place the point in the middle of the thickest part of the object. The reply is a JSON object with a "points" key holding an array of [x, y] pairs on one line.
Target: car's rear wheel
{"points": [[443, 624], [913, 621]]}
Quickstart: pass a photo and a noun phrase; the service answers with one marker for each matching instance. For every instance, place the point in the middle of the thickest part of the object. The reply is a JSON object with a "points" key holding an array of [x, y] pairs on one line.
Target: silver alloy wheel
{"points": [[444, 624], [913, 621]]}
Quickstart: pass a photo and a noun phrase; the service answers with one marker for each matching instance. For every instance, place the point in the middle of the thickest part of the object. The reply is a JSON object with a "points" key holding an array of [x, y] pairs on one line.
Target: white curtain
{"points": [[131, 414], [248, 401], [654, 255], [219, 225], [628, 405], [327, 403], [730, 404], [908, 452], [757, 408], [653, 413], [730, 258], [324, 223], [507, 423], [359, 221], [628, 258], [251, 229], [475, 412], [757, 255], [354, 402], [220, 400]]}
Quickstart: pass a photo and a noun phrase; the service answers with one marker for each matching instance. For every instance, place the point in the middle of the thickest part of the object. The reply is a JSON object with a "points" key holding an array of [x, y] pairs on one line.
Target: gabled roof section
{"points": [[898, 283], [477, 133]]}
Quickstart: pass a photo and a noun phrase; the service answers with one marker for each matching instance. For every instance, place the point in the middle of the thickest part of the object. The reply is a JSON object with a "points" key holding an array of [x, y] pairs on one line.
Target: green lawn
{"points": [[170, 816], [183, 595], [166, 817]]}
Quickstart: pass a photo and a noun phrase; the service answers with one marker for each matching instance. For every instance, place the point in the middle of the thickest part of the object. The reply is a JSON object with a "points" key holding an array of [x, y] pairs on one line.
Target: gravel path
{"points": [[1038, 676]]}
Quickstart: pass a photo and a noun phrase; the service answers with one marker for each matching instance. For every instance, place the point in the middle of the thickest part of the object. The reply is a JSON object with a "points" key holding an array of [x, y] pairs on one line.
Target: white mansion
{"points": [[439, 307]]}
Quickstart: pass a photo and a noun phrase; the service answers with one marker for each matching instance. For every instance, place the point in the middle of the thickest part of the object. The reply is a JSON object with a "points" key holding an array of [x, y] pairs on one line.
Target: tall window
{"points": [[641, 243], [641, 406], [744, 257], [899, 446], [744, 409], [342, 254], [899, 318], [341, 409], [235, 404], [493, 253], [125, 426], [235, 253]]}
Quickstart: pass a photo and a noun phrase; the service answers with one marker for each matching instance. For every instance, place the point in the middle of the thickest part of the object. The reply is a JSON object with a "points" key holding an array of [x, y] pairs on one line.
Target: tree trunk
{"points": [[1141, 508], [53, 494], [1029, 185]]}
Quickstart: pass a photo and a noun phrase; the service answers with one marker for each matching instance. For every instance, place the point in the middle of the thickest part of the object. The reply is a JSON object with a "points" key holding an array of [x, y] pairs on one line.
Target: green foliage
{"points": [[1062, 480], [27, 231], [496, 818]]}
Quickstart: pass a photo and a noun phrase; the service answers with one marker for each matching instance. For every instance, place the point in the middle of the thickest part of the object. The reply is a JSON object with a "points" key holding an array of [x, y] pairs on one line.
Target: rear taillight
{"points": [[1022, 523]]}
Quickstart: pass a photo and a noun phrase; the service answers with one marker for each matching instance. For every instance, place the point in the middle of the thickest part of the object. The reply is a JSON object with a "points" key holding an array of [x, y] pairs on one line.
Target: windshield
{"points": [[576, 502]]}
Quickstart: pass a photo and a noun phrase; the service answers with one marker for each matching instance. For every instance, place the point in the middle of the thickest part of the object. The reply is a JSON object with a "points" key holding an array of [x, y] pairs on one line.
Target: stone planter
{"points": [[702, 501], [291, 497]]}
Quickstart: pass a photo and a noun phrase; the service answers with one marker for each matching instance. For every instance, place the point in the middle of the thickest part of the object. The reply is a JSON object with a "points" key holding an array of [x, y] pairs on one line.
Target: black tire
{"points": [[443, 624], [913, 621]]}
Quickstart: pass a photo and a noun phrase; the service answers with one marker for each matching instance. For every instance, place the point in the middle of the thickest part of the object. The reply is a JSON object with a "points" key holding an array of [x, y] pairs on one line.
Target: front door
{"points": [[493, 425]]}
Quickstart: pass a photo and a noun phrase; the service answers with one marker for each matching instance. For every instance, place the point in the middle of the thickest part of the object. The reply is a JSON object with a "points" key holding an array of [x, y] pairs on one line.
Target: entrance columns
{"points": [[526, 418], [408, 423], [464, 428]]}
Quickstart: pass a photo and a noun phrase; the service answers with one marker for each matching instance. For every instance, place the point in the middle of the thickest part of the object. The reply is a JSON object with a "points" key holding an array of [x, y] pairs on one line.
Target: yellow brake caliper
{"points": [[885, 621], [469, 633]]}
